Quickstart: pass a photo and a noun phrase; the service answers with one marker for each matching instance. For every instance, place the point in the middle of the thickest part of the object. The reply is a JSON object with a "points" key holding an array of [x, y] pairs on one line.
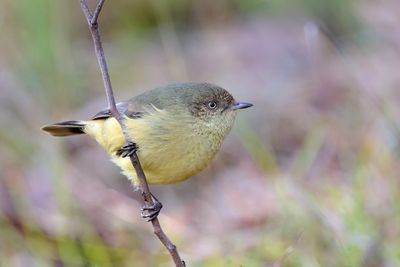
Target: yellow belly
{"points": [[168, 153]]}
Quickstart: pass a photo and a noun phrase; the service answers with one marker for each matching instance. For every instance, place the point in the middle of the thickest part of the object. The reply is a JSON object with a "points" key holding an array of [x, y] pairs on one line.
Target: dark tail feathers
{"points": [[65, 128]]}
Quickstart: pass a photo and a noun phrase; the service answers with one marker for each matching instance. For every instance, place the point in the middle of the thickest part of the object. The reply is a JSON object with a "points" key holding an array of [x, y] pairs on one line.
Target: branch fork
{"points": [[91, 19]]}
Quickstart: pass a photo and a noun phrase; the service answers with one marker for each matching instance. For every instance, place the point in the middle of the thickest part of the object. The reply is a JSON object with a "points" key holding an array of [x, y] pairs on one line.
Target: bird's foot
{"points": [[127, 150], [151, 212]]}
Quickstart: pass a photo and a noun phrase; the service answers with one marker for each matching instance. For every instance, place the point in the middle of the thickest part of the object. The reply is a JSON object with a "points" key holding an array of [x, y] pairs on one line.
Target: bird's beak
{"points": [[240, 105]]}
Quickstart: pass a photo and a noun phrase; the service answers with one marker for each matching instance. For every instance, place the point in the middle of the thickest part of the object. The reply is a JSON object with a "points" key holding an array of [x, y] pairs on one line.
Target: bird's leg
{"points": [[151, 212], [127, 150], [147, 212]]}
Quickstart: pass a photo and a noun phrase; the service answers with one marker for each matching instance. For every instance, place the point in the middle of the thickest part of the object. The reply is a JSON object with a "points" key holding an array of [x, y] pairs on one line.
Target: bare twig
{"points": [[94, 30], [143, 186], [97, 12]]}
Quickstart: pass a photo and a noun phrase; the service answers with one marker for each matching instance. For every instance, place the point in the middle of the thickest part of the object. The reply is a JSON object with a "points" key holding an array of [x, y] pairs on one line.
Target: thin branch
{"points": [[94, 30], [86, 11], [97, 12], [143, 186]]}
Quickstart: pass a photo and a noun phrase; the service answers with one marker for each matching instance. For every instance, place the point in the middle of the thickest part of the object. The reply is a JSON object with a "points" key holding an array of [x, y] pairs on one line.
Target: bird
{"points": [[176, 130]]}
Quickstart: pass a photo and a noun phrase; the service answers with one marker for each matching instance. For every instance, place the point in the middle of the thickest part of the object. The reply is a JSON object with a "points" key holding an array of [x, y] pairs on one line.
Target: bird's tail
{"points": [[65, 128]]}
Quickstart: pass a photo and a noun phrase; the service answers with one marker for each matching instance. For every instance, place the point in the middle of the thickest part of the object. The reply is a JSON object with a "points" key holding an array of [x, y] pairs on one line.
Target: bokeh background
{"points": [[309, 176]]}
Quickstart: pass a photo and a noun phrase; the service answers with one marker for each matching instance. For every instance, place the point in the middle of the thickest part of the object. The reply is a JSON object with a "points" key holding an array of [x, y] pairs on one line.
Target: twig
{"points": [[143, 186], [97, 12]]}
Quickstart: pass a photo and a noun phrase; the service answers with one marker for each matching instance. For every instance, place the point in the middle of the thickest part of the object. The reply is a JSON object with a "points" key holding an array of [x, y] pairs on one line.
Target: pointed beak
{"points": [[241, 105]]}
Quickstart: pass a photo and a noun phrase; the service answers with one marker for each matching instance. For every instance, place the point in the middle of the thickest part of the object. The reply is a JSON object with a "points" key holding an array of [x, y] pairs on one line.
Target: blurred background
{"points": [[308, 177]]}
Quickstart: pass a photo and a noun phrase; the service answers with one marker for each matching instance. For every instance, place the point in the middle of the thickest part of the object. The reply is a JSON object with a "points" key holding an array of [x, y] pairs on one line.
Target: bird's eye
{"points": [[212, 104]]}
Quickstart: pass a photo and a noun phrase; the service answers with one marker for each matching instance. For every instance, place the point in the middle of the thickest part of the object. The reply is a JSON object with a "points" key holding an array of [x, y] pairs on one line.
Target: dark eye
{"points": [[212, 104]]}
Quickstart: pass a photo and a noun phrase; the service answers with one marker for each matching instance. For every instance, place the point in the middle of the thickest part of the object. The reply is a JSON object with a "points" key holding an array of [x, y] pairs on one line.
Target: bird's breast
{"points": [[172, 149]]}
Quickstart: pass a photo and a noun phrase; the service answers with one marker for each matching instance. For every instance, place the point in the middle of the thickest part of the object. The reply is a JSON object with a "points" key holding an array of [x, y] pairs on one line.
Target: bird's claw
{"points": [[151, 212], [127, 150]]}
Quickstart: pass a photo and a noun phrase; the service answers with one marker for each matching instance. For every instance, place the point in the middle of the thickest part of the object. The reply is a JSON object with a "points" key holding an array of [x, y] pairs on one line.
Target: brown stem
{"points": [[143, 186]]}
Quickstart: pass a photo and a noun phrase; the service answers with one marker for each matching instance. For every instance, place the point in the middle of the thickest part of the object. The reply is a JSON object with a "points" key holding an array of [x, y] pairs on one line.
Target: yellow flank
{"points": [[169, 153]]}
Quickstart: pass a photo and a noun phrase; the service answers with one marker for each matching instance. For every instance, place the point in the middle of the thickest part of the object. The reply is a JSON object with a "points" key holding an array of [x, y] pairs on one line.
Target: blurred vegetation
{"points": [[309, 176]]}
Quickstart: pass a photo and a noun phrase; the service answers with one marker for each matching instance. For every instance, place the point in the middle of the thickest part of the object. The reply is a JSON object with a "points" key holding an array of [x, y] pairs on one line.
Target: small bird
{"points": [[176, 130]]}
